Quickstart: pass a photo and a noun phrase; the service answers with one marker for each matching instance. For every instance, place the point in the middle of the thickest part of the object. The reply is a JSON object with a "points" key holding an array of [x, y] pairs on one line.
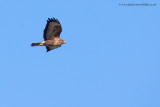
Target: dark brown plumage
{"points": [[51, 35]]}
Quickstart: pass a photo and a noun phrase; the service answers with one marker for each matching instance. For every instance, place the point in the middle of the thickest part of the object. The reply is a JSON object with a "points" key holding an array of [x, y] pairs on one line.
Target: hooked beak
{"points": [[64, 42]]}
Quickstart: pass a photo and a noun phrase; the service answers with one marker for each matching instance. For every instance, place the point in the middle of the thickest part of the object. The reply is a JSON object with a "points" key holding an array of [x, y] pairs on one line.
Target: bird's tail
{"points": [[37, 44]]}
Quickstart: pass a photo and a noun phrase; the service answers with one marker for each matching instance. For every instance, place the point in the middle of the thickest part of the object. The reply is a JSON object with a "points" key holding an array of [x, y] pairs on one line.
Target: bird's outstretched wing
{"points": [[53, 29]]}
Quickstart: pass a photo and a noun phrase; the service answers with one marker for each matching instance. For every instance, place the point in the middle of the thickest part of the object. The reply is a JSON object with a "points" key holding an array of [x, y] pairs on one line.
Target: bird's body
{"points": [[51, 35]]}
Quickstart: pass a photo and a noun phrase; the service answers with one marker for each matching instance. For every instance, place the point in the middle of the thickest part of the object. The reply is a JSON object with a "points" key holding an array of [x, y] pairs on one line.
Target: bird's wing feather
{"points": [[53, 29], [52, 47]]}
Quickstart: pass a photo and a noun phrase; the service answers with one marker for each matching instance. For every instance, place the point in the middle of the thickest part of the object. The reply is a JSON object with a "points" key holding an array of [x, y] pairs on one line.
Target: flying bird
{"points": [[51, 35]]}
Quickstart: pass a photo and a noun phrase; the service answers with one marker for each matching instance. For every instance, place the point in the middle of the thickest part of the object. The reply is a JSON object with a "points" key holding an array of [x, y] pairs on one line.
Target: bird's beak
{"points": [[64, 42]]}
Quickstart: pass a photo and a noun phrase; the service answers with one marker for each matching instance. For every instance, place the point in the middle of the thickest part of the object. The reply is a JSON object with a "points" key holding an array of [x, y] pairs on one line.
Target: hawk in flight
{"points": [[51, 35]]}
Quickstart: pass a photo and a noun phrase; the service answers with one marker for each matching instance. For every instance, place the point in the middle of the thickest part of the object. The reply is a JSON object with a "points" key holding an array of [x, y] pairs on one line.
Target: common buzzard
{"points": [[51, 35]]}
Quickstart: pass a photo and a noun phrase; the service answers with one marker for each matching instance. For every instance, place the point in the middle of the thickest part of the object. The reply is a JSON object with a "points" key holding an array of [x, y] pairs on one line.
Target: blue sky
{"points": [[111, 59]]}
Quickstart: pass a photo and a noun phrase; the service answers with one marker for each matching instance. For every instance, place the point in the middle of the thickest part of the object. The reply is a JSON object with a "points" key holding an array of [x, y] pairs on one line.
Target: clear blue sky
{"points": [[111, 59]]}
